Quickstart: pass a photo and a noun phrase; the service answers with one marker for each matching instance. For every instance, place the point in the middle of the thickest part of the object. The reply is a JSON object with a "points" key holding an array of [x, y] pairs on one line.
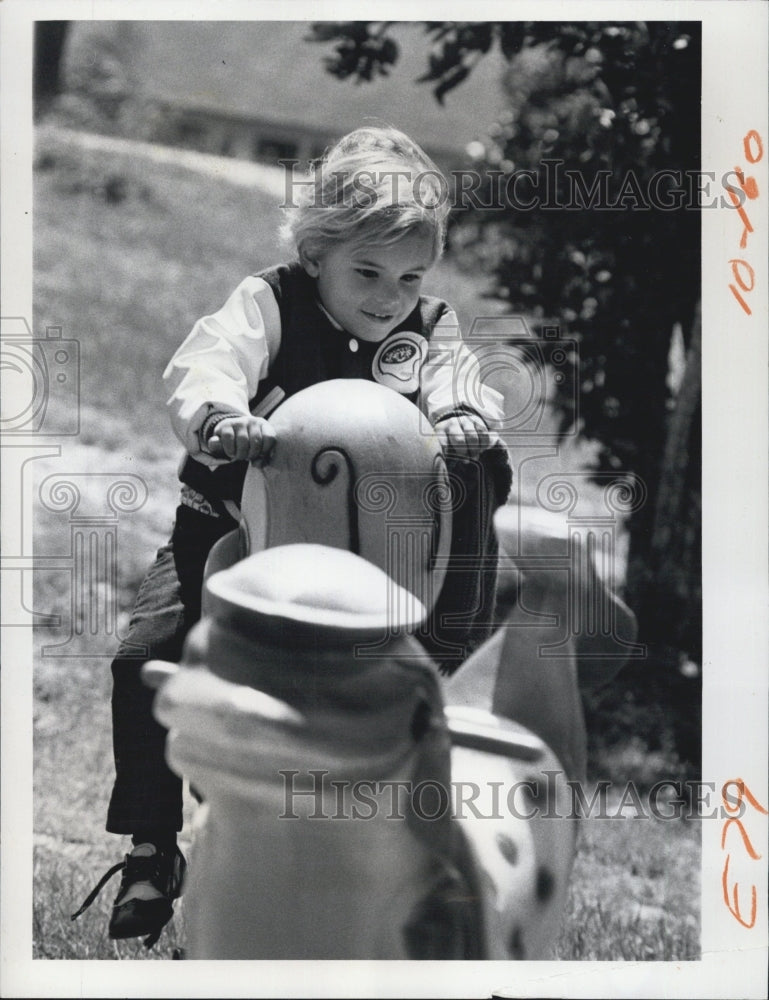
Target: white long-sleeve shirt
{"points": [[231, 354]]}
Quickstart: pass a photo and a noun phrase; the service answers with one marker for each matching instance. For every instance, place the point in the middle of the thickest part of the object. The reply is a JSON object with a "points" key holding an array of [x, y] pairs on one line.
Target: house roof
{"points": [[268, 70]]}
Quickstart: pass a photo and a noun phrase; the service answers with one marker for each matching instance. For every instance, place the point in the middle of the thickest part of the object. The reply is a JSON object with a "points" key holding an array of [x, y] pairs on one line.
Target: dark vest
{"points": [[311, 350]]}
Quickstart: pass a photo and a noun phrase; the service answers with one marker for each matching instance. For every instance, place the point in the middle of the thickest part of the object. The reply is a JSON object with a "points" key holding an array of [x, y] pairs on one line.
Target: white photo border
{"points": [[735, 517]]}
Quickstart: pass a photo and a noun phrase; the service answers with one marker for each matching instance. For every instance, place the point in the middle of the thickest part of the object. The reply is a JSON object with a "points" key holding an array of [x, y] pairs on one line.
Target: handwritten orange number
{"points": [[753, 148], [735, 911], [751, 142], [733, 804], [742, 792]]}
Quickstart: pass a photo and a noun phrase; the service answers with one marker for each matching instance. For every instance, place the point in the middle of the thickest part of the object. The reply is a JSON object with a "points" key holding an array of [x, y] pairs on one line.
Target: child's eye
{"points": [[411, 279], [366, 272]]}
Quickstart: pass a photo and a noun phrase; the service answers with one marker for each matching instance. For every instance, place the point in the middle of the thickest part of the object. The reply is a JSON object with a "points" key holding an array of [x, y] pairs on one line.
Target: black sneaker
{"points": [[151, 880]]}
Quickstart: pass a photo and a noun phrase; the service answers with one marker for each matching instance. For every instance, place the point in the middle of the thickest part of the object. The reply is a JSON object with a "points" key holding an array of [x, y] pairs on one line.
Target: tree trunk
{"points": [[676, 544], [50, 37], [664, 571], [671, 498]]}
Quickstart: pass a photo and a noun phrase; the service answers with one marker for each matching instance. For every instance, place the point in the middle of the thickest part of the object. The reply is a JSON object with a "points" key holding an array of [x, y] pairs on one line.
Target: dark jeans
{"points": [[463, 616], [147, 795]]}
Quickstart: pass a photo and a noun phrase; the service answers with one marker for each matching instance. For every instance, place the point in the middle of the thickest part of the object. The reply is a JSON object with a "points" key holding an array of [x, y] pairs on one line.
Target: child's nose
{"points": [[389, 296]]}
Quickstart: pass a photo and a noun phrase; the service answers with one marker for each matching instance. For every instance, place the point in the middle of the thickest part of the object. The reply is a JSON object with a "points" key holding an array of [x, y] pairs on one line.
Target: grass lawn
{"points": [[128, 253]]}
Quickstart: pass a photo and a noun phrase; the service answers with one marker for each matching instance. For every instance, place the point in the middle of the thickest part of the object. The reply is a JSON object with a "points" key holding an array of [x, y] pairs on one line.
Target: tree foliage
{"points": [[607, 111]]}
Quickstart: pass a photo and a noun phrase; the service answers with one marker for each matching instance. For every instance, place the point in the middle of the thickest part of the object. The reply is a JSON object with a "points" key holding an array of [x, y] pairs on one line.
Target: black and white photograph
{"points": [[384, 456]]}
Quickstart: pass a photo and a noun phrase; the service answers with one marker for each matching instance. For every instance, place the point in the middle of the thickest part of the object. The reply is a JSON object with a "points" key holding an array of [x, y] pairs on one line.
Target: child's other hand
{"points": [[242, 438], [464, 435]]}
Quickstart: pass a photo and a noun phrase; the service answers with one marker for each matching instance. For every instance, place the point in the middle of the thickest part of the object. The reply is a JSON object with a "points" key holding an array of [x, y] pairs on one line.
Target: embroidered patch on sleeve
{"points": [[397, 363]]}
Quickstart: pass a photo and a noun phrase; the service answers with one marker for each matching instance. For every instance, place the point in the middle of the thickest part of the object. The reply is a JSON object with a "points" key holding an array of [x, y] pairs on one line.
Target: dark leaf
{"points": [[451, 80]]}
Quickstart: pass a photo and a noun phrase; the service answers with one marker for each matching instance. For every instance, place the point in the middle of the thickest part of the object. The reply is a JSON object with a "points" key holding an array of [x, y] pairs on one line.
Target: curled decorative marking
{"points": [[60, 495], [324, 469], [123, 493], [626, 495], [127, 495], [438, 496], [559, 494], [376, 494], [325, 466]]}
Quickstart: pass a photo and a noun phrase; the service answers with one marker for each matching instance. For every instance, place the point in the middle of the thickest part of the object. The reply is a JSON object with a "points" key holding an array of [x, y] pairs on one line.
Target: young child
{"points": [[366, 230]]}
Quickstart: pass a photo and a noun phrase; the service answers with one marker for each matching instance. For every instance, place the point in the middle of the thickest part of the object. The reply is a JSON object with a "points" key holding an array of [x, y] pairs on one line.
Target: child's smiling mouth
{"points": [[377, 317]]}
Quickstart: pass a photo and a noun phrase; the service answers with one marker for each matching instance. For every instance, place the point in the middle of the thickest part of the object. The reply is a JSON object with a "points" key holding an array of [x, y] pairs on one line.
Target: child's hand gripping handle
{"points": [[464, 435], [241, 439], [252, 435]]}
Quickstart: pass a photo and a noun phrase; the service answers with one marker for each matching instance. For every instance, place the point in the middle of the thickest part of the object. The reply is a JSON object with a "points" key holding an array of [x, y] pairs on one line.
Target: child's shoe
{"points": [[152, 879]]}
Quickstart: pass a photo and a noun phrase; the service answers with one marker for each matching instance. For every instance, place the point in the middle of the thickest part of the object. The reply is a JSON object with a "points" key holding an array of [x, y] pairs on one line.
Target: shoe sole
{"points": [[139, 917]]}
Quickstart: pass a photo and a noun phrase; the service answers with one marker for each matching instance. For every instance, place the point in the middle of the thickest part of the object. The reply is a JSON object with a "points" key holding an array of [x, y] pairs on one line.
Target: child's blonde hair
{"points": [[375, 185]]}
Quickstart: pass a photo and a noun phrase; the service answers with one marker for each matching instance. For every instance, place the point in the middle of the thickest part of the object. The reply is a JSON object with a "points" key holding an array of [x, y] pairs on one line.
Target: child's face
{"points": [[369, 290]]}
